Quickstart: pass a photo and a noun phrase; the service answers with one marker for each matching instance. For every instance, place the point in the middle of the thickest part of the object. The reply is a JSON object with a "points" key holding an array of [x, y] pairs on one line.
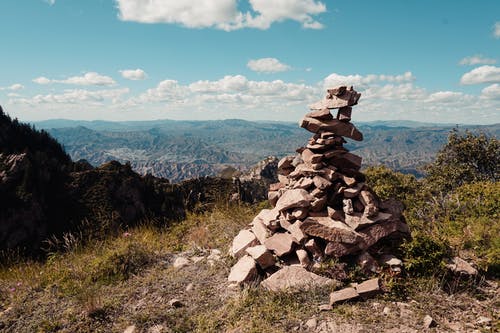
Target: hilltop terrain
{"points": [[156, 257], [180, 150]]}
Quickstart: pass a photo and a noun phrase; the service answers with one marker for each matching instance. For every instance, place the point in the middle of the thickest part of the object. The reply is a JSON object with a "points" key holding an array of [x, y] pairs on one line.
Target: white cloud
{"points": [[50, 2], [483, 74], [88, 79], [477, 60], [496, 30], [16, 86], [267, 65], [384, 96], [75, 96], [133, 74], [491, 92], [221, 14], [444, 97], [167, 91], [362, 81], [41, 80]]}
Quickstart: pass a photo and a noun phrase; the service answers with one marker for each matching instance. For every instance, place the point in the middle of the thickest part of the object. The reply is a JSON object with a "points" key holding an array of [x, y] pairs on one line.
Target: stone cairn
{"points": [[322, 209]]}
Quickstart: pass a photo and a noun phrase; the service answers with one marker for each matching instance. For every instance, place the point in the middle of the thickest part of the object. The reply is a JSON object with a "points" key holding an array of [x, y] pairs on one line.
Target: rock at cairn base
{"points": [[322, 209]]}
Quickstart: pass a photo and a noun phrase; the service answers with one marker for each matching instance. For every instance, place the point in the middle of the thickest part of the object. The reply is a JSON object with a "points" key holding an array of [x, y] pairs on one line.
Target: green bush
{"points": [[424, 255], [465, 158]]}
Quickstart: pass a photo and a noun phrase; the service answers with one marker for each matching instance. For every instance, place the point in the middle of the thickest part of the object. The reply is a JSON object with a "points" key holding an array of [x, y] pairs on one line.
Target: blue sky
{"points": [[435, 61]]}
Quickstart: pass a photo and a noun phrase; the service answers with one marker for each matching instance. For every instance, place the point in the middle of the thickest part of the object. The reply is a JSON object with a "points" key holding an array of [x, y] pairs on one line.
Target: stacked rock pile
{"points": [[322, 207]]}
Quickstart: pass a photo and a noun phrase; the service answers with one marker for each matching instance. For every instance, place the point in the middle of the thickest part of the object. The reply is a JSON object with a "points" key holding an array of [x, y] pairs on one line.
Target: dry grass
{"points": [[129, 280]]}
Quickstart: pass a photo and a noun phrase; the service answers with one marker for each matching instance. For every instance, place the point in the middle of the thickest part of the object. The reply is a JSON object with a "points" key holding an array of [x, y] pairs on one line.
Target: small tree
{"points": [[465, 158]]}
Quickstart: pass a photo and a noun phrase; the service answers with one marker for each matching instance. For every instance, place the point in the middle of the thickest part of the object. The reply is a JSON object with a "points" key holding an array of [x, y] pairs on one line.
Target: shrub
{"points": [[464, 159]]}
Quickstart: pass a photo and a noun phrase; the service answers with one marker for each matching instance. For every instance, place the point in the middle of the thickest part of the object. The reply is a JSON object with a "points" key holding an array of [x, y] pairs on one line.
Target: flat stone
{"points": [[272, 197], [319, 204], [352, 192], [309, 157], [280, 244], [245, 270], [386, 229], [261, 255], [312, 246], [348, 98], [303, 258], [286, 163], [365, 221], [324, 307], [317, 193], [368, 288], [335, 214], [429, 322], [337, 91], [343, 295], [129, 329], [260, 231], [295, 278], [284, 179], [346, 161], [338, 250], [321, 183], [328, 229], [311, 323], [276, 186], [323, 114], [267, 216], [460, 266], [303, 183], [344, 113], [180, 262], [296, 232], [294, 198], [241, 242], [390, 260], [316, 146], [368, 200], [300, 213], [336, 126]]}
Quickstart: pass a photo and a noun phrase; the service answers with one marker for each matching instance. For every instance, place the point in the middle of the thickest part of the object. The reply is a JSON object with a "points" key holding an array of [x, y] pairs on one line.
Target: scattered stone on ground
{"points": [[175, 303], [181, 262], [429, 322]]}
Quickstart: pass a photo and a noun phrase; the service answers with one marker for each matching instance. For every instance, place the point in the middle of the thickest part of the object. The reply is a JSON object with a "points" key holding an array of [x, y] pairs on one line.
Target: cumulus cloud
{"points": [[133, 74], [50, 2], [221, 14], [483, 74], [75, 96], [267, 65], [88, 79], [362, 81], [477, 60], [16, 86], [41, 80], [383, 97], [491, 92], [496, 30]]}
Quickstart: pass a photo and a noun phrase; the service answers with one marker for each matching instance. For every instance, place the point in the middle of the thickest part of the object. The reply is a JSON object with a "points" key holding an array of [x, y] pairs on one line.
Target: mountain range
{"points": [[180, 150]]}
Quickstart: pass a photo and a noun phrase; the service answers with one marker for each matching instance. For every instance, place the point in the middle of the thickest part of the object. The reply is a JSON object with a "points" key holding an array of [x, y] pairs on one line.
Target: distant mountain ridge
{"points": [[179, 150]]}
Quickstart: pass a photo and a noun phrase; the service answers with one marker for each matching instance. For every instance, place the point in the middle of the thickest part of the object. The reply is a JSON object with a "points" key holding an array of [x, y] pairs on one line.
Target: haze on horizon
{"points": [[424, 60]]}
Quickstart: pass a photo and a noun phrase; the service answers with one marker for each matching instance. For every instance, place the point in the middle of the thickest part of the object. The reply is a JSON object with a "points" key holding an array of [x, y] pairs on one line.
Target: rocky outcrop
{"points": [[322, 207]]}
